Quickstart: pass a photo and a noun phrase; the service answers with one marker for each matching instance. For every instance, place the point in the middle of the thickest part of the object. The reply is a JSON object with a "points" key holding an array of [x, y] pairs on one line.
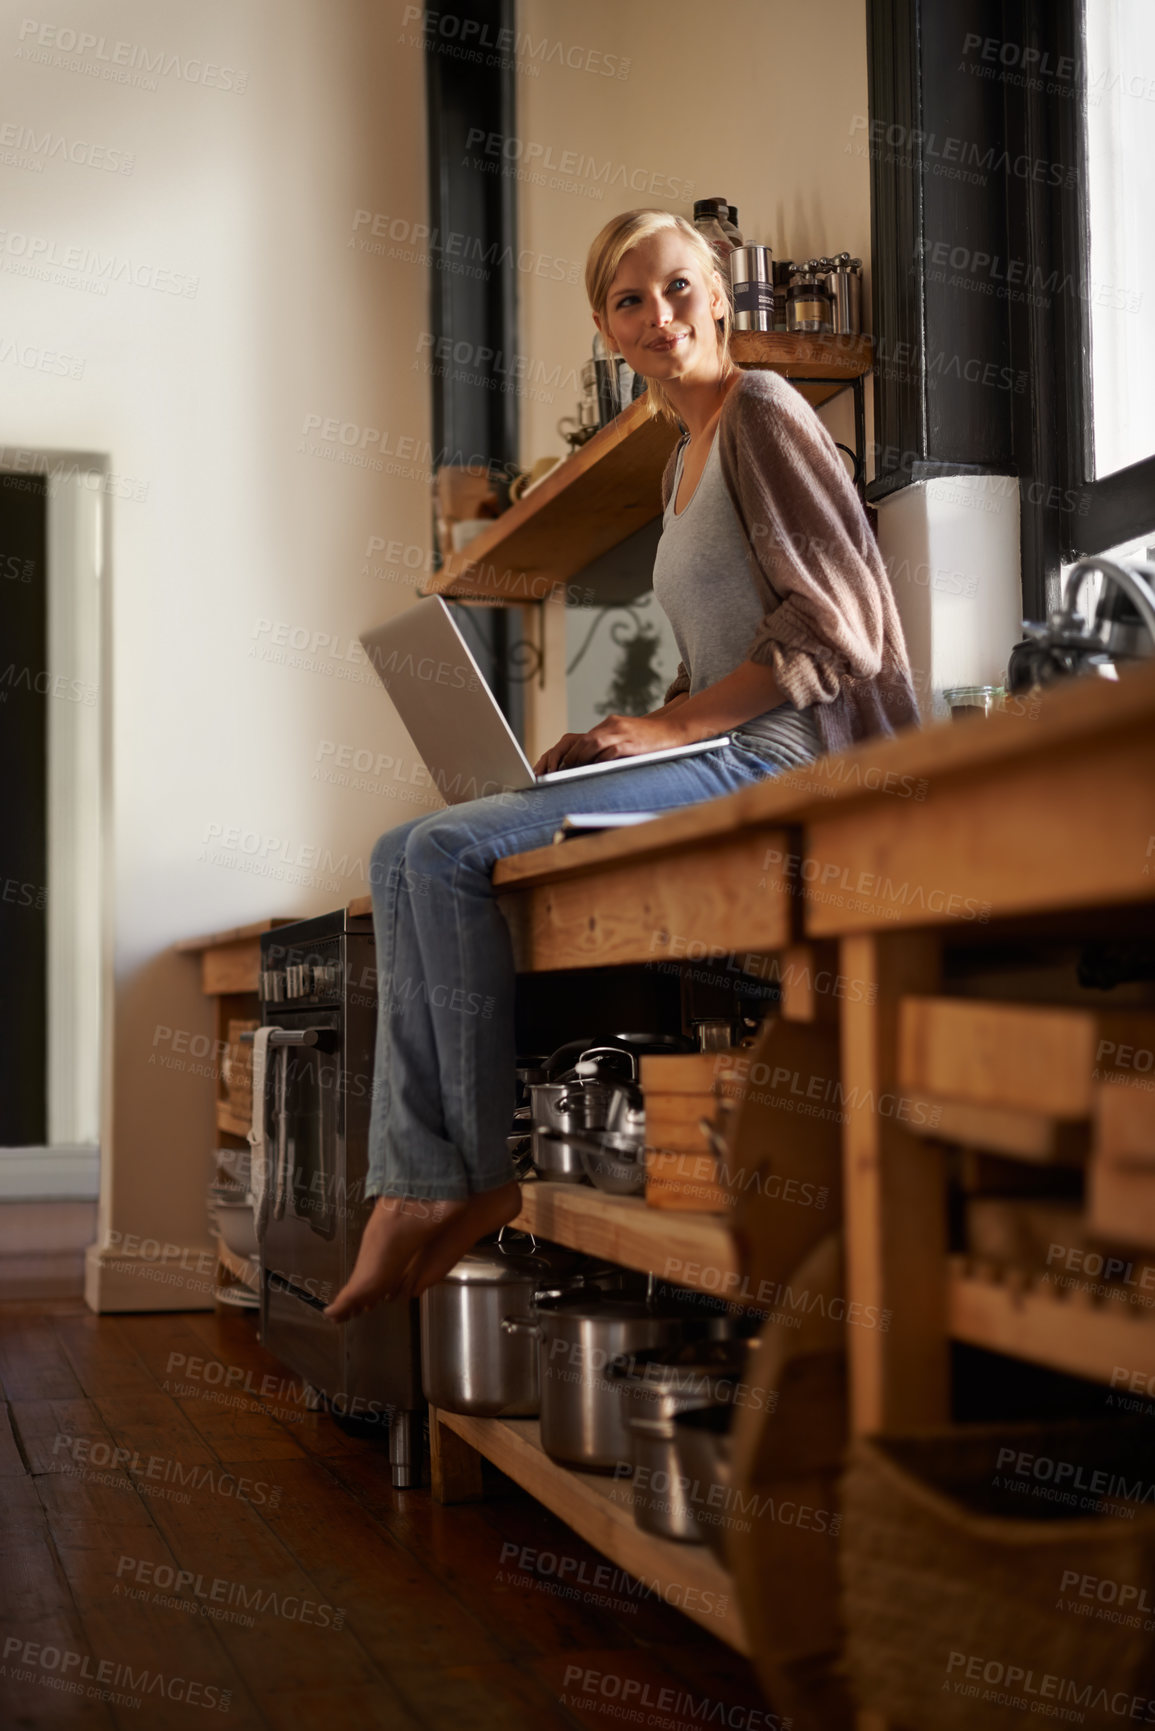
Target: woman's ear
{"points": [[717, 296], [609, 341]]}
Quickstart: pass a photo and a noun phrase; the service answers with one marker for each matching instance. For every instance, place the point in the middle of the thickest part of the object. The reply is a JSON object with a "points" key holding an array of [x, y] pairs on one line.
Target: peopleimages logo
{"points": [[102, 1676]]}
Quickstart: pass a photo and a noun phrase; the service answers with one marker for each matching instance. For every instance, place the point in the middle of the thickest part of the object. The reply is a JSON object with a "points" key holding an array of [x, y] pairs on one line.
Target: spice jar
{"points": [[808, 306]]}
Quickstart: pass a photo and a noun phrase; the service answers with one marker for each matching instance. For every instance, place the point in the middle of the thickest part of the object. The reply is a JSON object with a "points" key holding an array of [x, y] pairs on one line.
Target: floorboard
{"points": [[170, 1508]]}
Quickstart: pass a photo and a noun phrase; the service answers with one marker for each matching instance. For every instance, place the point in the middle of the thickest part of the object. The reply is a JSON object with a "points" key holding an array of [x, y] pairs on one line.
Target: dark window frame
{"points": [[468, 421], [1069, 512]]}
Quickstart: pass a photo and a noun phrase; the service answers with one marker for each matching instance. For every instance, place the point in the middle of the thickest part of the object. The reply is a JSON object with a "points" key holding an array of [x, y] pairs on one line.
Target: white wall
{"points": [[223, 526]]}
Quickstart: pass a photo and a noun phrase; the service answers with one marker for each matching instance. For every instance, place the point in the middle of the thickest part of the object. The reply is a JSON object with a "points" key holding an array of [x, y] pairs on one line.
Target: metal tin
{"points": [[752, 277], [844, 280]]}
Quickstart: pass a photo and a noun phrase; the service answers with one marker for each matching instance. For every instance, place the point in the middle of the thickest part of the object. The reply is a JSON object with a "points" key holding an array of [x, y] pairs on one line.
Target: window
{"points": [[1120, 194], [1108, 251]]}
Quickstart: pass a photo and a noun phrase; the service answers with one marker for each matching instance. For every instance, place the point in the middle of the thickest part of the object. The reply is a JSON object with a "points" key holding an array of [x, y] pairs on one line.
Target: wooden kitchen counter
{"points": [[888, 871]]}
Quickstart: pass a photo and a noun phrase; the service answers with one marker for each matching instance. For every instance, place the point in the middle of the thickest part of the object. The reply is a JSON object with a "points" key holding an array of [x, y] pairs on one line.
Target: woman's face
{"points": [[661, 312]]}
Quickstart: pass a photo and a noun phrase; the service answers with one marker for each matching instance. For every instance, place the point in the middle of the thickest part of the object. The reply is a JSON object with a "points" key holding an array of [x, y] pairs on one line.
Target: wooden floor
{"points": [[439, 1626]]}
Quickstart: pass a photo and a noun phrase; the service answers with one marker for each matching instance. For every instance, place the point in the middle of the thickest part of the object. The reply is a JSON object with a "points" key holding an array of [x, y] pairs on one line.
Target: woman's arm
{"points": [[748, 691]]}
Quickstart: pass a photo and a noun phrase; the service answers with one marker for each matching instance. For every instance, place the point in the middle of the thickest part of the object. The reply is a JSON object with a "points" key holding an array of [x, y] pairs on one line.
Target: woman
{"points": [[790, 642]]}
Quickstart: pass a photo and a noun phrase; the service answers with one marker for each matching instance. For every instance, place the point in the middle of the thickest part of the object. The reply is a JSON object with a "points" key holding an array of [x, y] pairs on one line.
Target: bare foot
{"points": [[397, 1230], [472, 1219]]}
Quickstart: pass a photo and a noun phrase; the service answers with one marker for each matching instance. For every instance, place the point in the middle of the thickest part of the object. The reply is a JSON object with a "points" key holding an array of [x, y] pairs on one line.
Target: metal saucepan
{"points": [[579, 1337], [469, 1363], [653, 1389], [702, 1443], [615, 1164]]}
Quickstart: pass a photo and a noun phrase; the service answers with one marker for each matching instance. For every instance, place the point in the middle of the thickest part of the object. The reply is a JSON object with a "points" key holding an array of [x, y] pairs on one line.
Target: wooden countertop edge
{"points": [[237, 934], [941, 751]]}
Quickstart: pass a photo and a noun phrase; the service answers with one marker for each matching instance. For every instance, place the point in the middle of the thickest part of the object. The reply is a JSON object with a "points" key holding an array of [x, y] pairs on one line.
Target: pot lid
{"points": [[515, 1257], [683, 1369]]}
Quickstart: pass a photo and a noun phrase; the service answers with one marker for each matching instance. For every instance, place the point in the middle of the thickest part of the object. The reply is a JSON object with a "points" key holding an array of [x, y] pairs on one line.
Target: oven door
{"points": [[305, 1115]]}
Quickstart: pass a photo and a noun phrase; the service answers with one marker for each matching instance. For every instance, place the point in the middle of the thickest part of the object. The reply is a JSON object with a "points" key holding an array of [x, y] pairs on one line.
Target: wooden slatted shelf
{"points": [[598, 1508], [687, 1249], [1027, 1316], [600, 494]]}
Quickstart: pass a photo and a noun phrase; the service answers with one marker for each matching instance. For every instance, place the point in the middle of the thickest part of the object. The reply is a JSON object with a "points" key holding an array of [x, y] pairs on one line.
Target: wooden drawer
{"points": [[684, 1072], [1025, 1056], [672, 1119], [1121, 1184]]}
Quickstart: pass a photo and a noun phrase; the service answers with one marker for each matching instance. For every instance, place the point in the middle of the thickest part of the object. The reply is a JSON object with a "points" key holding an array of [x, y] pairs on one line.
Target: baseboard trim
{"points": [[66, 1173], [182, 1278]]}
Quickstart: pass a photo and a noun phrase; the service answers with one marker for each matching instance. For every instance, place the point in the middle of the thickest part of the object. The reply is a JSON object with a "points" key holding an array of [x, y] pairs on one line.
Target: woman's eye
{"points": [[625, 301], [680, 282]]}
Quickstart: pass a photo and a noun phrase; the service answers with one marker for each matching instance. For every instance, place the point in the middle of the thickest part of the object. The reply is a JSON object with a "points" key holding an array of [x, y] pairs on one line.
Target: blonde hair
{"points": [[620, 235]]}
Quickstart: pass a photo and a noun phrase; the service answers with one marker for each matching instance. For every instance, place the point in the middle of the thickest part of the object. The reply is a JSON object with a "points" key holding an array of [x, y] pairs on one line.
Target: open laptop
{"points": [[454, 719]]}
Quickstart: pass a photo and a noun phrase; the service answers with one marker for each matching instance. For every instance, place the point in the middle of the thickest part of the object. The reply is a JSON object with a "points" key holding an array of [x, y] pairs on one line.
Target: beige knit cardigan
{"points": [[831, 630]]}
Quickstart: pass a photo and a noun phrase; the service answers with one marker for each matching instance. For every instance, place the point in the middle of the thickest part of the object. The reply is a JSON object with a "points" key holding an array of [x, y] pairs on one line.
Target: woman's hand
{"points": [[616, 736]]}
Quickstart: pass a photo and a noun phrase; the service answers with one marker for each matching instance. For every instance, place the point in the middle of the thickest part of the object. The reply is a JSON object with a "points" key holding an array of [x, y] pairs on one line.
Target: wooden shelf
{"points": [[694, 1250], [686, 1576], [242, 1268], [592, 500], [1026, 1316], [601, 493], [226, 1120], [818, 366]]}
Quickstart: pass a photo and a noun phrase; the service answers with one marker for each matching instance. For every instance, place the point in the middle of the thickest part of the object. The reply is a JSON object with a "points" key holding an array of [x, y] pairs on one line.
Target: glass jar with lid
{"points": [[808, 305]]}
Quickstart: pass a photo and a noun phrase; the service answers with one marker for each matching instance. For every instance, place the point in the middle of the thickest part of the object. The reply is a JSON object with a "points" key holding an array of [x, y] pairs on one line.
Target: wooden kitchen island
{"points": [[927, 898]]}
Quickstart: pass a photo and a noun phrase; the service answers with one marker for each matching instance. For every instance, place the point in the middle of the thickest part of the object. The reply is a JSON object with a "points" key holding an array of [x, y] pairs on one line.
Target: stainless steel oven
{"points": [[319, 995]]}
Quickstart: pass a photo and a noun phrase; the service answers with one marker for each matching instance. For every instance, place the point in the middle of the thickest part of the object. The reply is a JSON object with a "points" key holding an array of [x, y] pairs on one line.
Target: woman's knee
{"points": [[388, 853]]}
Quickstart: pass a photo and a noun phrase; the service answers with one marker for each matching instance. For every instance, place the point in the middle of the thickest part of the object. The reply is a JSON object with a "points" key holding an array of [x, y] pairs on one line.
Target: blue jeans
{"points": [[444, 1083]]}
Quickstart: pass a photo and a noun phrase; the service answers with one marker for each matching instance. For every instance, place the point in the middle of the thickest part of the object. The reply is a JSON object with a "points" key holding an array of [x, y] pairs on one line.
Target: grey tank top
{"points": [[703, 585]]}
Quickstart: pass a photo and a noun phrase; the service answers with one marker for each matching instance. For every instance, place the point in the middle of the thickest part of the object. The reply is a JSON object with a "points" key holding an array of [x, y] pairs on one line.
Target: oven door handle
{"points": [[280, 1170], [325, 1039]]}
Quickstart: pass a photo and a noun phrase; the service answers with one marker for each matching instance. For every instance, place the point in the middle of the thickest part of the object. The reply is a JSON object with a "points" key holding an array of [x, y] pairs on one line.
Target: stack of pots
{"points": [[588, 1343], [469, 1363], [587, 1111]]}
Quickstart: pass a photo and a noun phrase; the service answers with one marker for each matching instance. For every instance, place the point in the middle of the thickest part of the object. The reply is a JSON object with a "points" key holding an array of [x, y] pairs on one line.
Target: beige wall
{"points": [[757, 100], [200, 401]]}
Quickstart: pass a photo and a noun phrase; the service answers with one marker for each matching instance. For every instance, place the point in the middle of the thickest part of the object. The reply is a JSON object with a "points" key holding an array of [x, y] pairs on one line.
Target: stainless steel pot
{"points": [[469, 1363], [702, 1442], [653, 1390], [579, 1338], [614, 1163], [559, 1109]]}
